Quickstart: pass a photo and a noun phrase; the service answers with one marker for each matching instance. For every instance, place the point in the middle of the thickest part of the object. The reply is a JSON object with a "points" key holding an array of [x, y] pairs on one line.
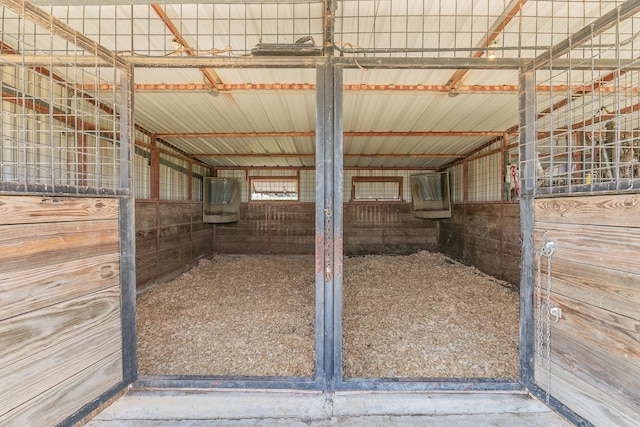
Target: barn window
{"points": [[281, 188], [378, 188]]}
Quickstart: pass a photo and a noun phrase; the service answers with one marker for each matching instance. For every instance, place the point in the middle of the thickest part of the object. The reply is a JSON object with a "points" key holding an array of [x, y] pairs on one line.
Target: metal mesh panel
{"points": [[197, 177], [460, 28], [142, 169], [407, 28], [307, 185], [456, 178], [174, 177], [588, 116], [55, 136], [207, 29], [485, 178]]}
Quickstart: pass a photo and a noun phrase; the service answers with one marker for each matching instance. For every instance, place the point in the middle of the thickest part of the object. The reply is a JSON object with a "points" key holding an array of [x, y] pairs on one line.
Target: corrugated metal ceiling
{"points": [[438, 27]]}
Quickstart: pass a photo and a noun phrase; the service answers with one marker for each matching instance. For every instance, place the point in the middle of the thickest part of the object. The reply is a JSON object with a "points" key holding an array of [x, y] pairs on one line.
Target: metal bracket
{"points": [[549, 247]]}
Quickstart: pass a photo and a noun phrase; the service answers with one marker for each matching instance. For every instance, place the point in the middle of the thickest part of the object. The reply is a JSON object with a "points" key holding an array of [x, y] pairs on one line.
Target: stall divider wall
{"points": [[170, 239], [288, 228], [486, 236]]}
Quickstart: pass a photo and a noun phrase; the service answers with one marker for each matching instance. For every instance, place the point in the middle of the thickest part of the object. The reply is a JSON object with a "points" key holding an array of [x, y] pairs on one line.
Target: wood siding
{"points": [[388, 228], [170, 238], [485, 236], [289, 228], [60, 324], [595, 346]]}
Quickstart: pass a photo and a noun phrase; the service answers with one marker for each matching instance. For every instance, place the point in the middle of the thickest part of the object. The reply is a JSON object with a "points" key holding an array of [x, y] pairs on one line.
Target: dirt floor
{"points": [[421, 315]]}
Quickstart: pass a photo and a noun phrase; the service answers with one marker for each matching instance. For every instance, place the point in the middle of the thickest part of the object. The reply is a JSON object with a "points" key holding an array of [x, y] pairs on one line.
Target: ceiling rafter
{"points": [[492, 34], [209, 74]]}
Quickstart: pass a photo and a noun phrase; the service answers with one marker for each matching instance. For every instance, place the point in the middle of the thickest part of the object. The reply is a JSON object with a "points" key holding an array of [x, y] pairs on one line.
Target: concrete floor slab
{"points": [[268, 408]]}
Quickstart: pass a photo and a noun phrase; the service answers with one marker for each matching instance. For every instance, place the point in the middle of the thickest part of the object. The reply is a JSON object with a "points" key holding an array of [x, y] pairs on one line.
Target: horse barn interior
{"points": [[319, 195]]}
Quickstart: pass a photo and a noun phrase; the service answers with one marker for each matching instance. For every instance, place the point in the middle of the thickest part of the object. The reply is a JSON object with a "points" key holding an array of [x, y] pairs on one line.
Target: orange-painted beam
{"points": [[233, 87], [493, 33], [211, 76], [310, 155], [205, 135]]}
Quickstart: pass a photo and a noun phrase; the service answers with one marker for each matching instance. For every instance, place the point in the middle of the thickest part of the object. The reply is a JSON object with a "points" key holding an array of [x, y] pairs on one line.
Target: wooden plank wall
{"points": [[486, 236], [60, 326], [388, 228], [288, 228], [170, 238], [595, 346], [269, 228]]}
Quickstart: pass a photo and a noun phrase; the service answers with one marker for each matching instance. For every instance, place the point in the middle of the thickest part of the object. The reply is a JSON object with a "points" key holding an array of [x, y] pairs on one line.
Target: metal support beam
{"points": [[510, 11], [41, 18], [328, 26], [328, 271], [217, 135], [312, 61], [123, 2], [310, 155], [528, 157], [582, 36], [210, 75]]}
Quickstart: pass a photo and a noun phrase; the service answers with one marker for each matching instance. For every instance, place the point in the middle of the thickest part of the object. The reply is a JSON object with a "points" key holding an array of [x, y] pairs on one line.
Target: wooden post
{"points": [[127, 231], [527, 107]]}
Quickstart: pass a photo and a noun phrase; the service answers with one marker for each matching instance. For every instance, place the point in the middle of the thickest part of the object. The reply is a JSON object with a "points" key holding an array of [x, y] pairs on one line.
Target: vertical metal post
{"points": [[329, 172], [127, 230], [322, 116], [528, 135], [338, 172]]}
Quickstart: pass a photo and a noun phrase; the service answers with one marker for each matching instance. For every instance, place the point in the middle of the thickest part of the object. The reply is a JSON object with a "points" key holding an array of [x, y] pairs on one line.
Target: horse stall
{"points": [[321, 196]]}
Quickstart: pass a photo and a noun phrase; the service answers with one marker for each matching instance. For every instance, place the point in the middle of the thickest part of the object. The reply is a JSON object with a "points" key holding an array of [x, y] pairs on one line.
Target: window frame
{"points": [[293, 178], [394, 179]]}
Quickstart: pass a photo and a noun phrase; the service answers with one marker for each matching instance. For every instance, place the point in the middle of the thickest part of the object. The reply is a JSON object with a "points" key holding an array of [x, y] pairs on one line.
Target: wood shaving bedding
{"points": [[420, 315]]}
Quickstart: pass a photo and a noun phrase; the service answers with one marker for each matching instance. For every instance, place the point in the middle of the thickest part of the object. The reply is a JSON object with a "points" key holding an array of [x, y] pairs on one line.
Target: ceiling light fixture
{"points": [[491, 53]]}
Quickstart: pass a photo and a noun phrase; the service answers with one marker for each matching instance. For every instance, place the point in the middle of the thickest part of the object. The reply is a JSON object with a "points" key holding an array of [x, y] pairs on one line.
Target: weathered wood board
{"points": [[289, 228], [43, 244], [486, 236], [584, 398], [32, 210], [60, 322], [595, 280], [31, 288], [66, 397], [170, 238], [38, 362]]}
